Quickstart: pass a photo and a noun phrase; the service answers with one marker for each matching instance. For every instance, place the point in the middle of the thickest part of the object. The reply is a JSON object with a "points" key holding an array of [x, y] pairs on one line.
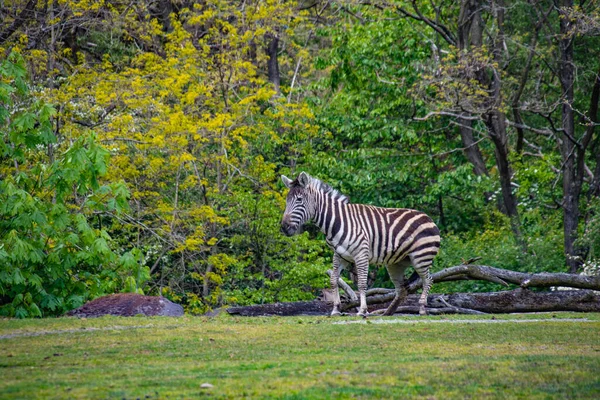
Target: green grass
{"points": [[300, 358]]}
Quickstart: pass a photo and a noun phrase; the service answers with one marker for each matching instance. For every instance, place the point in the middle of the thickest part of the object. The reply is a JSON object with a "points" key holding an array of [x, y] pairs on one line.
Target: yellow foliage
{"points": [[185, 124]]}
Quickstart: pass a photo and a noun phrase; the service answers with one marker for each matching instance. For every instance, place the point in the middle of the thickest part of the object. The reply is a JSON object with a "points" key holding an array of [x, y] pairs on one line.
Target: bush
{"points": [[52, 255]]}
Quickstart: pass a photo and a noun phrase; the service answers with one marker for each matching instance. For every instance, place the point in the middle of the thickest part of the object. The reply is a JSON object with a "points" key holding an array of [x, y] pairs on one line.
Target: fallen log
{"points": [[505, 276], [524, 300], [510, 301], [481, 272], [283, 309]]}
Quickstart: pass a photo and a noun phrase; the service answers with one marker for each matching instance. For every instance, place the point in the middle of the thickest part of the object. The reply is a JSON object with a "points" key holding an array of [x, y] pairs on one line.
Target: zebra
{"points": [[364, 234]]}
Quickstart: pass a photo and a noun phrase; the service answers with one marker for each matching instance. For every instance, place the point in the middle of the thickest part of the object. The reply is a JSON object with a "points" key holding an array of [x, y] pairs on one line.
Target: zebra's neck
{"points": [[328, 212]]}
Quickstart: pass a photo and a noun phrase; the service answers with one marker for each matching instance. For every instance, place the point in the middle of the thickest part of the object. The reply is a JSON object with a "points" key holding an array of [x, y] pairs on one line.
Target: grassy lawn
{"points": [[301, 358]]}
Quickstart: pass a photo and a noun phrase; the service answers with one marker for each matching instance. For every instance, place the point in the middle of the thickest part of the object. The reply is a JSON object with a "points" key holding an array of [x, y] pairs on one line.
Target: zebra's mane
{"points": [[325, 188]]}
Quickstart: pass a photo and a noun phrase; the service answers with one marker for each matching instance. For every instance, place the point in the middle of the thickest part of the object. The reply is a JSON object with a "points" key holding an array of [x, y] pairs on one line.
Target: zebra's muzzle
{"points": [[288, 229]]}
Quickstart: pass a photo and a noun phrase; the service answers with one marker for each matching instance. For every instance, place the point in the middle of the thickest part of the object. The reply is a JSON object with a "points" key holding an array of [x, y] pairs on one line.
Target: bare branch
{"points": [[100, 121], [448, 114], [26, 14], [545, 132], [120, 139], [418, 16]]}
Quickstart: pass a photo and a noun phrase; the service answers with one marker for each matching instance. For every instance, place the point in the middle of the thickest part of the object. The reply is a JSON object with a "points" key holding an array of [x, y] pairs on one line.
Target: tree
{"points": [[574, 146], [189, 107], [456, 110], [476, 78], [469, 83], [54, 252]]}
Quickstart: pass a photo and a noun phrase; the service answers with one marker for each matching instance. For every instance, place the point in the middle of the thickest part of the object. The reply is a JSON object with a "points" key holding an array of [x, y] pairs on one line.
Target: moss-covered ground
{"points": [[301, 358]]}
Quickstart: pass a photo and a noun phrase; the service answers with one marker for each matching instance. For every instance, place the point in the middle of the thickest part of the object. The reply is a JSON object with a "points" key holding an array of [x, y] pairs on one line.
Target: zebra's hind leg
{"points": [[396, 273], [422, 268]]}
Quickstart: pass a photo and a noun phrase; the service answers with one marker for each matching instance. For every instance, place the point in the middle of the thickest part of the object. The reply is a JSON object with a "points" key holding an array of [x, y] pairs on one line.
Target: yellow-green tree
{"points": [[197, 126]]}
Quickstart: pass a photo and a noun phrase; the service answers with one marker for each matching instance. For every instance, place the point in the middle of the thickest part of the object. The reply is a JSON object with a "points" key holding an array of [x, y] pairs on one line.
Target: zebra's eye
{"points": [[299, 199]]}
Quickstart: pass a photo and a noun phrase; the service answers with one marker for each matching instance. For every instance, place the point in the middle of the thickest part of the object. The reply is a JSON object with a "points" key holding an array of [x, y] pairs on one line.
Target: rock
{"points": [[212, 313], [206, 386], [128, 305]]}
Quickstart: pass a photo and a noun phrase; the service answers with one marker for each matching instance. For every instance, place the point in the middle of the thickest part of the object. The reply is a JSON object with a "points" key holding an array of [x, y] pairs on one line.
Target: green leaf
{"points": [[18, 299], [21, 123], [34, 310], [100, 246], [20, 312]]}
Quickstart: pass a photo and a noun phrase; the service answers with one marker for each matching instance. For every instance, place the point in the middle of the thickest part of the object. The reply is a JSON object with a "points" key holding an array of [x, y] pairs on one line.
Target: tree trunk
{"points": [[595, 184], [571, 182], [505, 276], [470, 32], [283, 309], [496, 123], [510, 301], [594, 189], [522, 300], [490, 274], [471, 151], [273, 64], [519, 300]]}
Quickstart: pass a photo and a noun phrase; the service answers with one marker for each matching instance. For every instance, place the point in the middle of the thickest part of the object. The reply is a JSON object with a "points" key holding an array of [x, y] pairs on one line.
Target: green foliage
{"points": [[367, 112], [270, 267], [382, 70], [52, 256], [591, 235], [496, 246], [183, 103]]}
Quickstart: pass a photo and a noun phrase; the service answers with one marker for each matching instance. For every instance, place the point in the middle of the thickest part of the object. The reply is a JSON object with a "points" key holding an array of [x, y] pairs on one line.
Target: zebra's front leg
{"points": [[335, 276], [362, 270]]}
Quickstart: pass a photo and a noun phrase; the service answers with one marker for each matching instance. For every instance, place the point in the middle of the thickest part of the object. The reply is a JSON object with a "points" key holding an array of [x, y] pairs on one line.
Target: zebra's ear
{"points": [[303, 179], [286, 181]]}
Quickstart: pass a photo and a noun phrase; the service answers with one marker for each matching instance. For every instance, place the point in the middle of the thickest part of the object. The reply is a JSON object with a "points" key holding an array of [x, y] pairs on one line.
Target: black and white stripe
{"points": [[363, 235]]}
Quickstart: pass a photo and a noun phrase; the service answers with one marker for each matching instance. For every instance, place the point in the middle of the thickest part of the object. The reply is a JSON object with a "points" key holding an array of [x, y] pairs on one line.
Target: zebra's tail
{"points": [[412, 279]]}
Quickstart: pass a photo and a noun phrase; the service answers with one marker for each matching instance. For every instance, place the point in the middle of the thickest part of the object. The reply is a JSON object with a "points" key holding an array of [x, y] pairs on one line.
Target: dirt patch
{"points": [[128, 305]]}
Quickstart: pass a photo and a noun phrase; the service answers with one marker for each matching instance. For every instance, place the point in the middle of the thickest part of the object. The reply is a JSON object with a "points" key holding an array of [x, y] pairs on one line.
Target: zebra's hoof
{"points": [[335, 313], [363, 314], [422, 311]]}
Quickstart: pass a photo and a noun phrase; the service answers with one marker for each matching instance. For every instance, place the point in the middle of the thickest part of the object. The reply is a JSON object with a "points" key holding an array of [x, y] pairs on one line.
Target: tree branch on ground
{"points": [[517, 300], [510, 301]]}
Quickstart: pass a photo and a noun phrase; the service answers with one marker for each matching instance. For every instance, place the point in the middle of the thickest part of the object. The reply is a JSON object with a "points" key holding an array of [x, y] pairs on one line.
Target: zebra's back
{"points": [[397, 233]]}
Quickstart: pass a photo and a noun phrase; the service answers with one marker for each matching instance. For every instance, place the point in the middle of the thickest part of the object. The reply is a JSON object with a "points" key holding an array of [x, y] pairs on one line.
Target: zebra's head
{"points": [[300, 204]]}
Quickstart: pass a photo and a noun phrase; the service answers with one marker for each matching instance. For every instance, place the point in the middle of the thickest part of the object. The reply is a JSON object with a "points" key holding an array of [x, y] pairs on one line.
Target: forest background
{"points": [[142, 141]]}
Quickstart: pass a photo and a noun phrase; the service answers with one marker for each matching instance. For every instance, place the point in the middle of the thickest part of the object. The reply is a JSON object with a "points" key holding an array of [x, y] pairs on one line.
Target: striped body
{"points": [[363, 235], [391, 234]]}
